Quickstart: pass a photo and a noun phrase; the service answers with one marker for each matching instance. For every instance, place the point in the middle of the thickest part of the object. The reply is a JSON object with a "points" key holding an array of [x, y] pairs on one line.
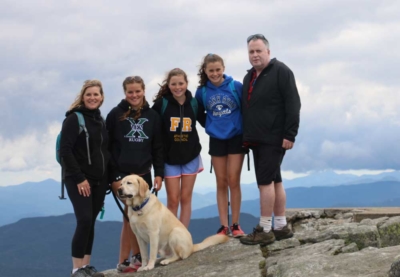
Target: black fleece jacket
{"points": [[135, 145], [73, 149], [181, 143], [273, 112]]}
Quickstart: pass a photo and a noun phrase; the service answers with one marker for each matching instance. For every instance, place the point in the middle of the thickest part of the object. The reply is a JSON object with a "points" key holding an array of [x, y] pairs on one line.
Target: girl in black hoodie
{"points": [[85, 171], [135, 145], [182, 146]]}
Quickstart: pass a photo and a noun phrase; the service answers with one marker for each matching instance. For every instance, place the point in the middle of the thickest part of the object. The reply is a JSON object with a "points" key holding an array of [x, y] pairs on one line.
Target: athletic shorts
{"points": [[146, 177], [223, 147], [267, 163], [191, 168]]}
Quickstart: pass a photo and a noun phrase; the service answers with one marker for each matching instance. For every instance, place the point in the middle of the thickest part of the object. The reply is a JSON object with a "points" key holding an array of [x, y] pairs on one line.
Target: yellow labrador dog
{"points": [[153, 223]]}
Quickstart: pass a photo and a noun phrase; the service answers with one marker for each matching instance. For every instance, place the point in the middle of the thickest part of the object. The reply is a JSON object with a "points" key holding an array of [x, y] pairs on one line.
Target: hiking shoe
{"points": [[80, 273], [136, 261], [92, 271], [284, 233], [223, 230], [236, 231], [125, 268], [258, 237]]}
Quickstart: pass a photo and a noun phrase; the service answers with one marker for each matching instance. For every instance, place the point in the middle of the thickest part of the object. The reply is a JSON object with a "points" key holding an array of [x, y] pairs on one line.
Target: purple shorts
{"points": [[177, 170]]}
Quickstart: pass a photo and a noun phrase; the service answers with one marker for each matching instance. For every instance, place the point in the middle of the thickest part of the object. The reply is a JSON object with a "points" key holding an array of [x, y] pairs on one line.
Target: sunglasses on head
{"points": [[256, 36]]}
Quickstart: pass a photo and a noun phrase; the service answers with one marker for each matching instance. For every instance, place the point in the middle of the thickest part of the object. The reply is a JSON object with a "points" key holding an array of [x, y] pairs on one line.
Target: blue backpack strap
{"points": [[164, 105], [234, 92], [82, 127], [203, 93], [195, 106]]}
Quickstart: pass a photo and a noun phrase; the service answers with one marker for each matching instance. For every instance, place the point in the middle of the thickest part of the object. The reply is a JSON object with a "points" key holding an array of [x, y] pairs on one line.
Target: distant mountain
{"points": [[330, 178], [41, 198], [378, 194], [40, 247], [33, 199]]}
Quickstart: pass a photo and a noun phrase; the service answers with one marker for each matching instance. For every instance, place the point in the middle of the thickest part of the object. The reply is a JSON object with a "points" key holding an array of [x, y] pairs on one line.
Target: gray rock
{"points": [[390, 232], [372, 262], [377, 221], [283, 244], [352, 247]]}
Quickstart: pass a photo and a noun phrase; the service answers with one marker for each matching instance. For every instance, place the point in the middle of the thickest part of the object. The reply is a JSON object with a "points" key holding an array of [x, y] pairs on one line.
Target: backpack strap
{"points": [[164, 105], [203, 92], [234, 92], [195, 106], [82, 127]]}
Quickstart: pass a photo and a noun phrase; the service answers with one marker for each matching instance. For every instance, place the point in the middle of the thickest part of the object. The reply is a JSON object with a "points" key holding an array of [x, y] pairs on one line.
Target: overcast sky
{"points": [[344, 55]]}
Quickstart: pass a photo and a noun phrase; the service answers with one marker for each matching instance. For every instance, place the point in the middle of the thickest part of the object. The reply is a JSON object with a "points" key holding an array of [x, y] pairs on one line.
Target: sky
{"points": [[344, 55]]}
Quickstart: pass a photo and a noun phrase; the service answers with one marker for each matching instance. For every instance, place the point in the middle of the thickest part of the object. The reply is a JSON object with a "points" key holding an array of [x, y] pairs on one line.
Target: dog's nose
{"points": [[120, 191]]}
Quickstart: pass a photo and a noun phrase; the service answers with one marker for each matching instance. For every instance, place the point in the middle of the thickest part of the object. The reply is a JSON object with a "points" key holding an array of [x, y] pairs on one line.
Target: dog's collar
{"points": [[138, 208]]}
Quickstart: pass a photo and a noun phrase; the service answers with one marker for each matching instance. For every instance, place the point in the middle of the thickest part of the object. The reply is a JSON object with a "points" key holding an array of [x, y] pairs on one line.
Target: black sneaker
{"points": [[258, 237], [80, 273], [284, 233], [92, 271]]}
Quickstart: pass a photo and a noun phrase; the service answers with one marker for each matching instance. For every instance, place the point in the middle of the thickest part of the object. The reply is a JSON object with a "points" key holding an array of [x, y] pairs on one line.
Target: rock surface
{"points": [[327, 243]]}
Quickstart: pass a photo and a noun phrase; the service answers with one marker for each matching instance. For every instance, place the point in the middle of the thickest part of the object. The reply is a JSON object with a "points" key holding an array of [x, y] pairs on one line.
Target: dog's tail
{"points": [[210, 241]]}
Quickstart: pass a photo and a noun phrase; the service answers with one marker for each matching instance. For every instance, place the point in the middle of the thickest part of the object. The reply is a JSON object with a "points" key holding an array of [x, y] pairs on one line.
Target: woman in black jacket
{"points": [[84, 161], [135, 145]]}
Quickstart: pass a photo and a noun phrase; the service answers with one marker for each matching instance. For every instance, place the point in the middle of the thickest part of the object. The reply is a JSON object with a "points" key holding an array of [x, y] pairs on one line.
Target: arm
{"points": [[112, 164], [69, 135], [158, 153], [201, 113], [287, 86]]}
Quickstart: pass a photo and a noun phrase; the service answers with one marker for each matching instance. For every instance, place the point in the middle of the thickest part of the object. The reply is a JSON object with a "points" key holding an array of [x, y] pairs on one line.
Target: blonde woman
{"points": [[85, 165]]}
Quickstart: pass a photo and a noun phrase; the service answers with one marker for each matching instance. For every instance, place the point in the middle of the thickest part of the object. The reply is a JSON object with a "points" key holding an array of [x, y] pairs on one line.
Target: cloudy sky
{"points": [[344, 55]]}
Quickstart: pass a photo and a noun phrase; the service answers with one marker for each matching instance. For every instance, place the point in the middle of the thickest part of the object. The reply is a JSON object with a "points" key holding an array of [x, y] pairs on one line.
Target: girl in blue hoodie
{"points": [[220, 96]]}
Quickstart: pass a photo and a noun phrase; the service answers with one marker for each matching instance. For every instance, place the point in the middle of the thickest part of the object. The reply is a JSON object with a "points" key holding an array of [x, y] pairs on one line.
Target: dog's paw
{"points": [[164, 262], [145, 268]]}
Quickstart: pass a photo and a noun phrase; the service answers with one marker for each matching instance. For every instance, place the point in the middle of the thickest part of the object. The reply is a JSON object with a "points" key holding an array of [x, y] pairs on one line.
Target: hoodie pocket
{"points": [[222, 128]]}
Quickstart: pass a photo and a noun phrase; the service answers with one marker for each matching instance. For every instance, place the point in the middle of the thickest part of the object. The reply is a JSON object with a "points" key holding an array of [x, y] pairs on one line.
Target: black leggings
{"points": [[86, 210]]}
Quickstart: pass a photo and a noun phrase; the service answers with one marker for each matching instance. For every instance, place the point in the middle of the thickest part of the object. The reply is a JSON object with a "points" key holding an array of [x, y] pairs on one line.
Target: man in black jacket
{"points": [[271, 116]]}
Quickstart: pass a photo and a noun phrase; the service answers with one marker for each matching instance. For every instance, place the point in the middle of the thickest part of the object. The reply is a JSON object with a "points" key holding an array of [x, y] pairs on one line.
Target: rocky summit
{"points": [[326, 243]]}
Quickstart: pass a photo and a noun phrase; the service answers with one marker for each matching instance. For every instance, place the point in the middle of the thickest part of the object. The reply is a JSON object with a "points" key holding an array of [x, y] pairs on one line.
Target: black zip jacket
{"points": [[73, 149], [273, 112], [181, 141], [135, 145]]}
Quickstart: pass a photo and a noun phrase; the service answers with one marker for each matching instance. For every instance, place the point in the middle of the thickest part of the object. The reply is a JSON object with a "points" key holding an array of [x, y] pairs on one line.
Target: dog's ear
{"points": [[143, 187]]}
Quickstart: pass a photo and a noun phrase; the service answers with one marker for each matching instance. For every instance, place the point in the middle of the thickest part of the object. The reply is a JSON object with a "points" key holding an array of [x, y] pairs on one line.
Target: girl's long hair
{"points": [[209, 58], [133, 80], [164, 89]]}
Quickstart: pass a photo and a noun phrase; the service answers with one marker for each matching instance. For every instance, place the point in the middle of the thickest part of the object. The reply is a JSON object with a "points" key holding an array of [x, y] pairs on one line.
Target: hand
{"points": [[287, 144], [157, 183], [84, 188]]}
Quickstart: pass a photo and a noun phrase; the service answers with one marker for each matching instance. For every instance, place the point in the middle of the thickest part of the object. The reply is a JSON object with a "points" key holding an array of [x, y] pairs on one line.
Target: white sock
{"points": [[266, 222], [74, 270], [279, 222], [85, 266]]}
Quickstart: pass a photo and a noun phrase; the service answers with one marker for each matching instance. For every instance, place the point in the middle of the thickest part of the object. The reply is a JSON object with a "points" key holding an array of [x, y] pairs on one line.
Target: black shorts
{"points": [[267, 163], [223, 147]]}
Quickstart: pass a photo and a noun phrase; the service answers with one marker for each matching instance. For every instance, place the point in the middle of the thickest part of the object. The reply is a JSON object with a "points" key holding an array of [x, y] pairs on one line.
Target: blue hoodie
{"points": [[224, 117]]}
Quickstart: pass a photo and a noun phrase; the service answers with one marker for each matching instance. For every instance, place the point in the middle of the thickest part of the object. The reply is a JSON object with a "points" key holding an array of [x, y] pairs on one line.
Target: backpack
{"points": [[232, 88], [193, 103], [82, 127]]}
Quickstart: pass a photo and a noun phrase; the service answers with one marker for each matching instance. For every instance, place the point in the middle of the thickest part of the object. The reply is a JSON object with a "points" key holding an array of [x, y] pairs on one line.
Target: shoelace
{"points": [[223, 228]]}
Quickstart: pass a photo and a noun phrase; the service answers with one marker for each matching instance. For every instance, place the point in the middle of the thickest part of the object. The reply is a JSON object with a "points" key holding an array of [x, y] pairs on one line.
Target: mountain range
{"points": [[41, 198]]}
